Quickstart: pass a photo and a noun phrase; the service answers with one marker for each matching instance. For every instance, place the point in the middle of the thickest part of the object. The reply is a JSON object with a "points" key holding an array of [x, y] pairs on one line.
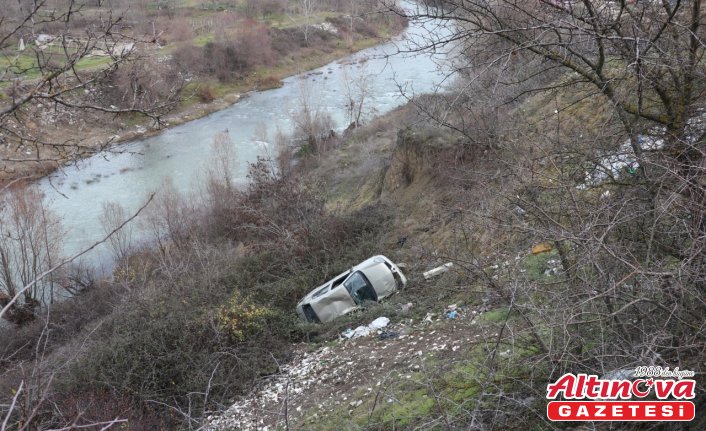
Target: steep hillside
{"points": [[425, 370], [488, 208], [200, 331]]}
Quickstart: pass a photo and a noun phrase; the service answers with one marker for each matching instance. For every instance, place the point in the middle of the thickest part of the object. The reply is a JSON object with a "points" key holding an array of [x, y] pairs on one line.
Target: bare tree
{"points": [[312, 123], [358, 90], [30, 236], [547, 93], [25, 408], [121, 242], [643, 57], [307, 9], [60, 65]]}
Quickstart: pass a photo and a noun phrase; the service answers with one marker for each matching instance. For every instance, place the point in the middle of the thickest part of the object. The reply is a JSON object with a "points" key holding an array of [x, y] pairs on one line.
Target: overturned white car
{"points": [[371, 280]]}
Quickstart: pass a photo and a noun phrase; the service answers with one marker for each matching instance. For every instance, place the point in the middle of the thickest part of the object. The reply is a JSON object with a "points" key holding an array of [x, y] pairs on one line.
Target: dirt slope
{"points": [[354, 377]]}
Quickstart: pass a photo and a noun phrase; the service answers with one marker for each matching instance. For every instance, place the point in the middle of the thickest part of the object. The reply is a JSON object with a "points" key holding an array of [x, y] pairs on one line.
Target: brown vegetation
{"points": [[195, 320]]}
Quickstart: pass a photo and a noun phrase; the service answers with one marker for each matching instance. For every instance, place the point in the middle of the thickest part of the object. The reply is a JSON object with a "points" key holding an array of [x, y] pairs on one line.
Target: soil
{"points": [[350, 374]]}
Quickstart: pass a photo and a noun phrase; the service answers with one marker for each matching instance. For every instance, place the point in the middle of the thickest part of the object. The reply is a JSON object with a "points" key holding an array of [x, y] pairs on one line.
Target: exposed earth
{"points": [[355, 376]]}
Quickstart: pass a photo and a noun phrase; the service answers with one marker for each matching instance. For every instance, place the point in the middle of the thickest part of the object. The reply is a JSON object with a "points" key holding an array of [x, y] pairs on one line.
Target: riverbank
{"points": [[69, 135], [227, 95]]}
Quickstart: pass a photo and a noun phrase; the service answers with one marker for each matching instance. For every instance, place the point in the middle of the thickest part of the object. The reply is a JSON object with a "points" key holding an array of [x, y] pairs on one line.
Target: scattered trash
{"points": [[406, 307], [452, 314], [553, 267], [379, 323], [438, 270], [361, 331], [328, 373], [615, 163], [543, 247], [388, 334], [364, 331], [428, 317]]}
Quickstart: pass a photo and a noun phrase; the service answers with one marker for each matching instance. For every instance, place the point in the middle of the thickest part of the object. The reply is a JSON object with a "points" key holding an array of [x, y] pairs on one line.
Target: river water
{"points": [[76, 194]]}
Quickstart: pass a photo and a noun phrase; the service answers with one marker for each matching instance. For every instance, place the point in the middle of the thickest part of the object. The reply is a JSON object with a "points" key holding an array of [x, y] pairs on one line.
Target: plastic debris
{"points": [[364, 331], [379, 323], [452, 311], [438, 270], [388, 334], [361, 331]]}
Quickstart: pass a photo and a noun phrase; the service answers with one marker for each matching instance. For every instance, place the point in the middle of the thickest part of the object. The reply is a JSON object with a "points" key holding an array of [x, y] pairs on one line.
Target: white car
{"points": [[372, 280]]}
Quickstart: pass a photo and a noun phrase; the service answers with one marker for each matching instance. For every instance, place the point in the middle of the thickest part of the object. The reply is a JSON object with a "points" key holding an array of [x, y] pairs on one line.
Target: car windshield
{"points": [[359, 288]]}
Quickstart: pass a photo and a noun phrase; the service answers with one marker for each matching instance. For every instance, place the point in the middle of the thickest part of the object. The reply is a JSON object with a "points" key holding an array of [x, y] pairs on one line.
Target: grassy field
{"points": [[27, 63]]}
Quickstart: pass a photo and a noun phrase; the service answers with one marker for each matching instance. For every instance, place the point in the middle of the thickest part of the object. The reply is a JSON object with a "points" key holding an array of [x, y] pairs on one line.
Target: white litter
{"points": [[379, 323], [364, 331], [438, 270]]}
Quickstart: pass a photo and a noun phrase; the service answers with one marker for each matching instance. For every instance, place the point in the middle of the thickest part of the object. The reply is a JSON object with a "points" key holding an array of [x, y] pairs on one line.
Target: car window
{"points": [[320, 292], [359, 288]]}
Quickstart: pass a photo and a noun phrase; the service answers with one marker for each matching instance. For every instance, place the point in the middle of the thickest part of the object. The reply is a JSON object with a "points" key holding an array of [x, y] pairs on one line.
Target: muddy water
{"points": [[77, 193]]}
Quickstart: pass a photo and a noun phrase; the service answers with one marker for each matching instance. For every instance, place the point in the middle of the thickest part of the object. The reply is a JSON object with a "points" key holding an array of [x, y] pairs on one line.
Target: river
{"points": [[76, 194]]}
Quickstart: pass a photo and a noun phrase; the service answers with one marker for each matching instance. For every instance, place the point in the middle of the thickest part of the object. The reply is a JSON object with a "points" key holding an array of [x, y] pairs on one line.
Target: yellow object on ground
{"points": [[542, 247]]}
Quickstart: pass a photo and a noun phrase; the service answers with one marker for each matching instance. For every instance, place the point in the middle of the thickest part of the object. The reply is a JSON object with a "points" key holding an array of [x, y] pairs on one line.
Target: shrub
{"points": [[269, 82], [180, 30], [144, 83], [259, 8], [205, 93], [65, 321], [188, 59], [167, 342], [237, 54], [86, 408], [241, 317]]}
